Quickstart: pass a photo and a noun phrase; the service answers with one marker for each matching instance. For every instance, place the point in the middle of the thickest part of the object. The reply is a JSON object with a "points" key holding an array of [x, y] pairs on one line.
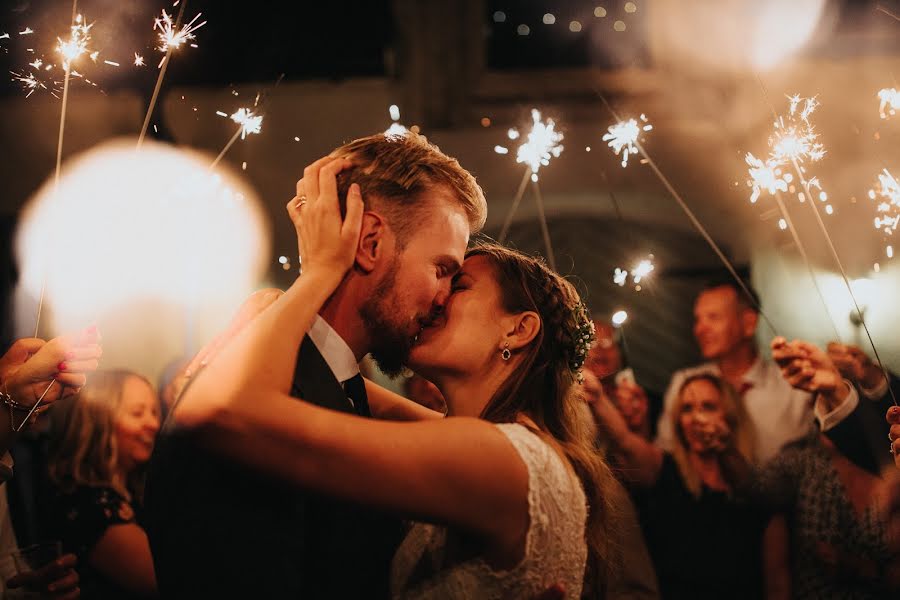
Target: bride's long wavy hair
{"points": [[545, 387]]}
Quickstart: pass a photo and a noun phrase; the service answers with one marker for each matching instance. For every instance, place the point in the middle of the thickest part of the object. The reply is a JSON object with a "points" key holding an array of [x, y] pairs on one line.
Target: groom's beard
{"points": [[391, 342]]}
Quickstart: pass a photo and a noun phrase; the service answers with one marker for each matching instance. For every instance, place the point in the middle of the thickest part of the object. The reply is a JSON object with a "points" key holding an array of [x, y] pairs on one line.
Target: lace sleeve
{"points": [[557, 511]]}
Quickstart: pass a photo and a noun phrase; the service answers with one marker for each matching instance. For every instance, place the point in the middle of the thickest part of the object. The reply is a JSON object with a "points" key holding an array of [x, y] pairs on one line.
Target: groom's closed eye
{"points": [[447, 266]]}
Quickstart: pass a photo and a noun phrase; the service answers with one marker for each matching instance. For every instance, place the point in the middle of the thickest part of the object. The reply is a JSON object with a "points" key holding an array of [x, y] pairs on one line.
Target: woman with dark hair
{"points": [[101, 443], [506, 493], [705, 543]]}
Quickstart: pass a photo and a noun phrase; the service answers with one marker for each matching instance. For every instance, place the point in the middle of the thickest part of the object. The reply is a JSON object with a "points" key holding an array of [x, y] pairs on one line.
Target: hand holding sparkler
{"points": [[806, 367], [855, 365], [35, 373]]}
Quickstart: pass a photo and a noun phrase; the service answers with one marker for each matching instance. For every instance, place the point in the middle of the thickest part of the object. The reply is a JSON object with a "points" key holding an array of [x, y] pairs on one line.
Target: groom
{"points": [[218, 529]]}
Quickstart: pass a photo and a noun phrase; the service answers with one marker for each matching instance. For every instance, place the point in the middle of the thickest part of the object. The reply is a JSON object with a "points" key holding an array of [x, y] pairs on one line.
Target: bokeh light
{"points": [[732, 35], [130, 227]]}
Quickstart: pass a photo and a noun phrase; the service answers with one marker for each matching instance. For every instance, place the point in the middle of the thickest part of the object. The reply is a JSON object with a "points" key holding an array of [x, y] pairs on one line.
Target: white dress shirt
{"points": [[334, 350], [780, 413]]}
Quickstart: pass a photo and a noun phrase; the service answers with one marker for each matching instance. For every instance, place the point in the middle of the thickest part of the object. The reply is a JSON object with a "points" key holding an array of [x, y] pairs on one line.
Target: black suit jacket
{"points": [[218, 529], [862, 436]]}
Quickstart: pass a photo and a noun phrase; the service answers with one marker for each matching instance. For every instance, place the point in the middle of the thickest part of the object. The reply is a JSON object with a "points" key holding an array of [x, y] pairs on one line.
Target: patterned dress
{"points": [[803, 484], [82, 516]]}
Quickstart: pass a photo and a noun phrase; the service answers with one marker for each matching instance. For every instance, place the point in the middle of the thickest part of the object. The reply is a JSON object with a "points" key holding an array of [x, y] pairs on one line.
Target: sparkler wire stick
{"points": [[790, 223], [515, 205], [545, 231], [886, 11], [612, 195], [699, 226], [59, 147], [696, 223], [231, 142], [840, 266], [812, 274], [159, 79], [31, 412]]}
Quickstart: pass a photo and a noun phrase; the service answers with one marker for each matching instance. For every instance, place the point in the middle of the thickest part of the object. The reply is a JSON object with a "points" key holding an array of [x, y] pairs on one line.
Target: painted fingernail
{"points": [[61, 366], [354, 188]]}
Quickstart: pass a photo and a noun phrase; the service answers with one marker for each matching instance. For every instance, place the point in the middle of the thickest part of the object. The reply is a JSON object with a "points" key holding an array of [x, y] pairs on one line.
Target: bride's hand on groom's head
{"points": [[327, 241]]}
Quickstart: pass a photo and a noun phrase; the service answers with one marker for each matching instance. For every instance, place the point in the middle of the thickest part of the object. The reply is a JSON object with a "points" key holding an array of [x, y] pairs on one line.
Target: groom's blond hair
{"points": [[395, 171]]}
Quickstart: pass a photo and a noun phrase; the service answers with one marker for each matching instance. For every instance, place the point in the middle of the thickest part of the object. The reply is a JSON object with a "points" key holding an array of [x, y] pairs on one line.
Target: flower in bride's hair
{"points": [[582, 338]]}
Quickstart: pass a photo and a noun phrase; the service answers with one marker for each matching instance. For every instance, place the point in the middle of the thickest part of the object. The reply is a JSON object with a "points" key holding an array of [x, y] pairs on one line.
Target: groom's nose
{"points": [[443, 294]]}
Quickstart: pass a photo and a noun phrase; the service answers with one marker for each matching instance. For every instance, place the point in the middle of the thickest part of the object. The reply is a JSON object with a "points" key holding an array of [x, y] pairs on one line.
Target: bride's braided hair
{"points": [[543, 385], [568, 330]]}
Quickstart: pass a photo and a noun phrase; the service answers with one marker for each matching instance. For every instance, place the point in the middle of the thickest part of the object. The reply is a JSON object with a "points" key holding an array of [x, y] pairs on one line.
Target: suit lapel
{"points": [[314, 382]]}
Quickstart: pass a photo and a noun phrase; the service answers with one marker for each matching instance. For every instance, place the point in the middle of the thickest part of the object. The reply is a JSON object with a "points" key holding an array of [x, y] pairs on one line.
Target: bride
{"points": [[506, 494]]}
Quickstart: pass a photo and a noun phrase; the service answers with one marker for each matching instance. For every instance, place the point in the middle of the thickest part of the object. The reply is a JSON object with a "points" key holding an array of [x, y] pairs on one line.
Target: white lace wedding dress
{"points": [[555, 548]]}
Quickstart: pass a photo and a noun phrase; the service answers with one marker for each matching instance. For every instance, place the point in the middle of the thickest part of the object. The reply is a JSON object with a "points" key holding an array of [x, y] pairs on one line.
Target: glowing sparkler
{"points": [[172, 35], [794, 137], [764, 175], [249, 122], [138, 60], [29, 82], [623, 136], [890, 99], [641, 270], [888, 209], [76, 45], [541, 144], [169, 34], [396, 128], [793, 142]]}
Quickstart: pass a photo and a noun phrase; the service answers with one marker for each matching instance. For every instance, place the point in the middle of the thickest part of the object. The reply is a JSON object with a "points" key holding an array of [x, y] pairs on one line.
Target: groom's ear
{"points": [[371, 241]]}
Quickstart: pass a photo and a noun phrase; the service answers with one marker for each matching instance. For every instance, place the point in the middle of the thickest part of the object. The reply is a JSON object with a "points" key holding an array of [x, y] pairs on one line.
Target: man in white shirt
{"points": [[725, 322]]}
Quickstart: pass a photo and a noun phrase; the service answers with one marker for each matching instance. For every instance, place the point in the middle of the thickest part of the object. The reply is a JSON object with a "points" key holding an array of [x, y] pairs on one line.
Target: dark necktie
{"points": [[355, 388]]}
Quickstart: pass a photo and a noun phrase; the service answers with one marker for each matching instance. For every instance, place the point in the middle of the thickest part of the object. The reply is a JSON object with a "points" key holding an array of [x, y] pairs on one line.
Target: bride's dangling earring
{"points": [[505, 354]]}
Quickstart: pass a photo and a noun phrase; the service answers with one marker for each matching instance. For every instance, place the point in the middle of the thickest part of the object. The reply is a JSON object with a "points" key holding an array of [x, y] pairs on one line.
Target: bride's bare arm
{"points": [[389, 406]]}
